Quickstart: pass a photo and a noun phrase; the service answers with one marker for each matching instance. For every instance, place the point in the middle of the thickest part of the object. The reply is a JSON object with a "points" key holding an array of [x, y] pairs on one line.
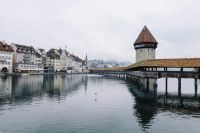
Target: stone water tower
{"points": [[145, 45]]}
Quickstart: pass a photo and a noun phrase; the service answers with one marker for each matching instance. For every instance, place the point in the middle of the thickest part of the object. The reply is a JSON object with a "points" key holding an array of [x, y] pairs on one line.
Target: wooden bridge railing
{"points": [[155, 74]]}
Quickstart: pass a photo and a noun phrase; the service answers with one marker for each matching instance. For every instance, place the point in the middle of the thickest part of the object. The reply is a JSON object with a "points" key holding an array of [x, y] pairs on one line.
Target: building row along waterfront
{"points": [[6, 57], [27, 59]]}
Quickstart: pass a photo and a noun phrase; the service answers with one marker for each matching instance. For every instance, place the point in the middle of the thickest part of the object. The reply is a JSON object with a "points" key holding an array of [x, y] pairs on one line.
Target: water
{"points": [[95, 104]]}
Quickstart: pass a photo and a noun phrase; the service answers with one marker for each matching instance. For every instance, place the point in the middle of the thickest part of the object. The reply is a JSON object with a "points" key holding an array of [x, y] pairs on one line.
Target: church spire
{"points": [[86, 59]]}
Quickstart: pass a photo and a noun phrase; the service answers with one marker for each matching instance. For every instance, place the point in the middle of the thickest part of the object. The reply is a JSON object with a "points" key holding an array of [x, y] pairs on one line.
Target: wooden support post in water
{"points": [[181, 69], [195, 86], [166, 85], [179, 86]]}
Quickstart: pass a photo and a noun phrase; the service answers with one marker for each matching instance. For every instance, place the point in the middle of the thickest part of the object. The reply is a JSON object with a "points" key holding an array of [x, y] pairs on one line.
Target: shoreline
{"points": [[26, 74]]}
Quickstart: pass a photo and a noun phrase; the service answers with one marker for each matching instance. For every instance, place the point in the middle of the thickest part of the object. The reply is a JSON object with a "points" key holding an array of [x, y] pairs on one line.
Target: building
{"points": [[6, 58], [145, 45], [54, 56], [63, 59], [39, 60], [76, 64], [24, 59], [85, 65], [46, 61]]}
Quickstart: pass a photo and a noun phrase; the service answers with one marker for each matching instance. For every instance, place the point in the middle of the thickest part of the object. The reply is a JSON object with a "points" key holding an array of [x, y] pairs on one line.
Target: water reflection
{"points": [[21, 89], [105, 103], [149, 103]]}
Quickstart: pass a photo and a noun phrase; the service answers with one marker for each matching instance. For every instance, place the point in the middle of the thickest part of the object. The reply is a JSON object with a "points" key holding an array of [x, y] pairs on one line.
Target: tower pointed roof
{"points": [[145, 37]]}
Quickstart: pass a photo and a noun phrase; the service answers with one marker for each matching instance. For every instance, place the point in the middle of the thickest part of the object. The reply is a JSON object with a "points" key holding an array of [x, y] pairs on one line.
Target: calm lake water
{"points": [[95, 104]]}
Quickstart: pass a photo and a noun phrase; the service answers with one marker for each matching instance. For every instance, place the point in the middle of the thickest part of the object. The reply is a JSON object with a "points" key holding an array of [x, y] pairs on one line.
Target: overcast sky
{"points": [[104, 29]]}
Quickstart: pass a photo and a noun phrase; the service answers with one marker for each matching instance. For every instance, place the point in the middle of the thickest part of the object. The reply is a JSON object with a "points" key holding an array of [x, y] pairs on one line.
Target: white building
{"points": [[75, 64], [46, 61], [24, 59], [6, 58], [54, 56], [39, 60], [63, 59]]}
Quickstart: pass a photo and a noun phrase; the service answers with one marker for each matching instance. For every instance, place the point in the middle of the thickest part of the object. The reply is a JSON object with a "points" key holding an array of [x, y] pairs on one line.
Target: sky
{"points": [[104, 29]]}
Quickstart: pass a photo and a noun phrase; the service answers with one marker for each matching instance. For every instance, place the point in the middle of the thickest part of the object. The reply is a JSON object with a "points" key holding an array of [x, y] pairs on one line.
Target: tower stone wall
{"points": [[145, 53]]}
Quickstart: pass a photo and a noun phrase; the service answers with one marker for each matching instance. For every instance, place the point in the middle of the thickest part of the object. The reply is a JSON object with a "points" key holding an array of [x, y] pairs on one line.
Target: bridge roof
{"points": [[145, 37], [159, 63], [171, 63]]}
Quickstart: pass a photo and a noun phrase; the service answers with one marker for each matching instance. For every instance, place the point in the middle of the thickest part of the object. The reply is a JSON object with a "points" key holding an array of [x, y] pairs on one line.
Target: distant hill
{"points": [[106, 64]]}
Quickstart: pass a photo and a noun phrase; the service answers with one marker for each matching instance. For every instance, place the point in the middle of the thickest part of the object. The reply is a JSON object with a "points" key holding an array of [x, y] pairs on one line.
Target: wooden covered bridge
{"points": [[156, 68], [147, 67]]}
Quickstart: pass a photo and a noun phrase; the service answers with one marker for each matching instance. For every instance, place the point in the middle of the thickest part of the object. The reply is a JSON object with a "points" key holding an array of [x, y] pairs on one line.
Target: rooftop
{"points": [[5, 47], [24, 49], [145, 37], [170, 63]]}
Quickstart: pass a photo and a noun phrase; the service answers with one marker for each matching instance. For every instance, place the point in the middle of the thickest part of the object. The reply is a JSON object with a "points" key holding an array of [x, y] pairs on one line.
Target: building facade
{"points": [[75, 64], [54, 56], [39, 60], [46, 61], [6, 58], [24, 59], [63, 59]]}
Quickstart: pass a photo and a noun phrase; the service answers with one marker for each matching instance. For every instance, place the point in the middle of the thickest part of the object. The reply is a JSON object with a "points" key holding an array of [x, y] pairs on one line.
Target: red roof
{"points": [[5, 47], [145, 37]]}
